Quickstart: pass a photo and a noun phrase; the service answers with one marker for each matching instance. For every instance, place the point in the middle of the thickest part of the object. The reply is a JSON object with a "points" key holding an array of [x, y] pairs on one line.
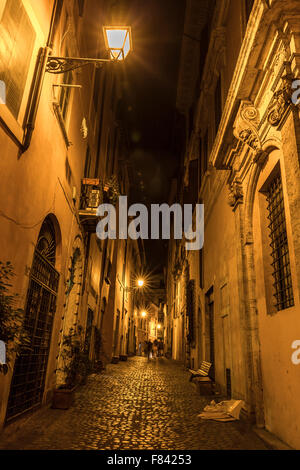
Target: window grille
{"points": [[27, 386], [279, 246]]}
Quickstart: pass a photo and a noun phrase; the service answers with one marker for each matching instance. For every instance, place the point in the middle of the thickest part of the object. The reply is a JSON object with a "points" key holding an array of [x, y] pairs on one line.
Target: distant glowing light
{"points": [[144, 314], [140, 282]]}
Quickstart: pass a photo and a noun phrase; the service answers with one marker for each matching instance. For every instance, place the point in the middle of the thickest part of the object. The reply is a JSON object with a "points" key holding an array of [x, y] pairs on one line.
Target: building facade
{"points": [[63, 152], [235, 303]]}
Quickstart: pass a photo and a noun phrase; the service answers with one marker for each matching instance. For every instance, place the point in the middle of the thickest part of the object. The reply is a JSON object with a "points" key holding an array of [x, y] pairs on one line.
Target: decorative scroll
{"points": [[59, 65], [245, 127]]}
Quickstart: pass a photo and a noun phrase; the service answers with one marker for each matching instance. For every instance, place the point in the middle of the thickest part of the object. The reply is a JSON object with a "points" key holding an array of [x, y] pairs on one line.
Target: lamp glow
{"points": [[140, 282], [118, 41], [144, 314]]}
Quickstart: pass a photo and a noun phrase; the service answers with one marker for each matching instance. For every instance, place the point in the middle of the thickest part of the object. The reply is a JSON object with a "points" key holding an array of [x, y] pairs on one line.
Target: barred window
{"points": [[283, 290]]}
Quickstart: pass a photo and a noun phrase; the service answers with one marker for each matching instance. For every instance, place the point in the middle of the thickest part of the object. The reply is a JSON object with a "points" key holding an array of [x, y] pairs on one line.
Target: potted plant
{"points": [[111, 189], [73, 369], [13, 333]]}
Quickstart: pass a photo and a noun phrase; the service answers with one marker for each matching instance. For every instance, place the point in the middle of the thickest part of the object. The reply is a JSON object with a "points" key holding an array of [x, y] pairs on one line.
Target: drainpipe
{"points": [[38, 78]]}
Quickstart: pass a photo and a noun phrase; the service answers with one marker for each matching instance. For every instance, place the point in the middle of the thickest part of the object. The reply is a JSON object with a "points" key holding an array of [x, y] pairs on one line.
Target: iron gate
{"points": [[28, 380]]}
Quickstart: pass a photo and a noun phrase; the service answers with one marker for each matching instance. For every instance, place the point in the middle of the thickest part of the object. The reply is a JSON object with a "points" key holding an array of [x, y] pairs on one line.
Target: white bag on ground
{"points": [[228, 410]]}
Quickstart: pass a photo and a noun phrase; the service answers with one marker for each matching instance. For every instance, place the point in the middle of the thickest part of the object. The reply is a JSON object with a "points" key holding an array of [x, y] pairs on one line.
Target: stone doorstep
{"points": [[270, 439]]}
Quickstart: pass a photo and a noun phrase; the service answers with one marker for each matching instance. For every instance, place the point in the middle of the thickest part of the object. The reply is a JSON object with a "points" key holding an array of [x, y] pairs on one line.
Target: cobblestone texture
{"points": [[133, 405]]}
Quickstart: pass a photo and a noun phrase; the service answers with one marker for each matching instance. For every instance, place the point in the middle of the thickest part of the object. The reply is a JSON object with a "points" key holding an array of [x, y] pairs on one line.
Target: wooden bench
{"points": [[204, 385], [202, 372]]}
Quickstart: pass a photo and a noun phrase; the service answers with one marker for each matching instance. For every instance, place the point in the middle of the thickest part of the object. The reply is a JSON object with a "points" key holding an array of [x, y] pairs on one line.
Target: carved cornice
{"points": [[281, 101]]}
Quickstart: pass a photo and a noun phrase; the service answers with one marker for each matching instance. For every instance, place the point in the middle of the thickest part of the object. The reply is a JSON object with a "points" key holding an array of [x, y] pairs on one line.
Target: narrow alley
{"points": [[149, 207], [133, 405]]}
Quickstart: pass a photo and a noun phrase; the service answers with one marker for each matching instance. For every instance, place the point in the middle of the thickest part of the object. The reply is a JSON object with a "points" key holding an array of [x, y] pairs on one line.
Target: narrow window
{"points": [[283, 291]]}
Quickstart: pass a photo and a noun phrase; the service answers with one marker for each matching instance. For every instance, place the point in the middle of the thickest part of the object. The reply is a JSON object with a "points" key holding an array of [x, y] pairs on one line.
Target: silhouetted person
{"points": [[160, 348], [149, 349]]}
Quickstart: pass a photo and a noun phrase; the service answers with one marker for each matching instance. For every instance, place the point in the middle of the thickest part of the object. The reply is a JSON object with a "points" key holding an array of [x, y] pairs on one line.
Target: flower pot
{"points": [[63, 398]]}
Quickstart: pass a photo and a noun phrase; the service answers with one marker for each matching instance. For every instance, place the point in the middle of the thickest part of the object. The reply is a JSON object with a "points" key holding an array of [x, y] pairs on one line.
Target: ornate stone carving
{"points": [[235, 193], [245, 127], [281, 101]]}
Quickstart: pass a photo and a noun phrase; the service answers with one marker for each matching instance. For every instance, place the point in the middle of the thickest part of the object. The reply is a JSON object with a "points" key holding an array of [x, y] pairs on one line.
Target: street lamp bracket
{"points": [[57, 65]]}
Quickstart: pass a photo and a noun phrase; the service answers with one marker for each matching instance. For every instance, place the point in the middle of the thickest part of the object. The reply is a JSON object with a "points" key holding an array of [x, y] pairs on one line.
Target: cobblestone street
{"points": [[133, 405]]}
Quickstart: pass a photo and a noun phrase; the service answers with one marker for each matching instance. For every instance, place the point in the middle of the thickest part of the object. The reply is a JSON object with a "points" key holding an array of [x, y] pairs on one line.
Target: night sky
{"points": [[150, 84]]}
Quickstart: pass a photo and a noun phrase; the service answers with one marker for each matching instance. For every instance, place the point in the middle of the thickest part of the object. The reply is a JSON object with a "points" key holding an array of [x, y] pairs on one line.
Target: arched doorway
{"points": [[27, 386]]}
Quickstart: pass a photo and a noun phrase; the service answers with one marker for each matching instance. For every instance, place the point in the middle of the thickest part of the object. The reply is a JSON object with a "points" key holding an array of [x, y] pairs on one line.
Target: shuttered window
{"points": [[17, 38]]}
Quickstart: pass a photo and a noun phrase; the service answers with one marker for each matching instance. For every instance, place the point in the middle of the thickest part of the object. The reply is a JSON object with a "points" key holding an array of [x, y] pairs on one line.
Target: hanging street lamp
{"points": [[118, 43]]}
